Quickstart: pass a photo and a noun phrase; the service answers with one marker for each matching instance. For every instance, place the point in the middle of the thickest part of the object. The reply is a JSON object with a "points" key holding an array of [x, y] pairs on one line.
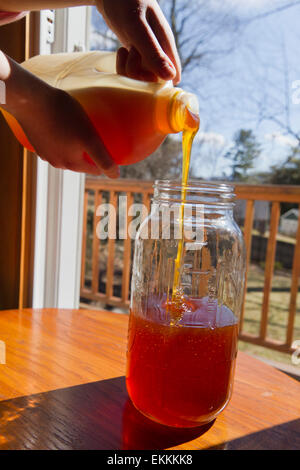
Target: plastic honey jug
{"points": [[132, 117]]}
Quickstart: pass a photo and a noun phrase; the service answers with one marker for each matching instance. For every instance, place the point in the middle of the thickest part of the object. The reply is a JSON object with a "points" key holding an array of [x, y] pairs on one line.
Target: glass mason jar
{"points": [[186, 297]]}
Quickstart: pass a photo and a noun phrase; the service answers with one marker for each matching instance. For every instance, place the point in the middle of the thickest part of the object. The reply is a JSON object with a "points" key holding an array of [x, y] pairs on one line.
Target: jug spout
{"points": [[184, 112]]}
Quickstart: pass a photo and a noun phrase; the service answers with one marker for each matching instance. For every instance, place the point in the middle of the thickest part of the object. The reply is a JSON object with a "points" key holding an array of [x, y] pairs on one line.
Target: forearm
{"points": [[23, 90], [20, 5], [52, 123]]}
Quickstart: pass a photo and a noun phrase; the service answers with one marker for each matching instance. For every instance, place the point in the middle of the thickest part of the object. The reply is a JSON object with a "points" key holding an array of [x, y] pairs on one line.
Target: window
{"points": [[59, 205]]}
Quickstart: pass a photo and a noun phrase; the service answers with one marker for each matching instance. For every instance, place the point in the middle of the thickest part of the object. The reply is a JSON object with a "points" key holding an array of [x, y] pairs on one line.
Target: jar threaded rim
{"points": [[205, 192]]}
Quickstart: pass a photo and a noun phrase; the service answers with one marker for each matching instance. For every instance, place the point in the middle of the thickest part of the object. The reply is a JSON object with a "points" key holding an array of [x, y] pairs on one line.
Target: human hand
{"points": [[55, 124], [62, 134], [149, 50]]}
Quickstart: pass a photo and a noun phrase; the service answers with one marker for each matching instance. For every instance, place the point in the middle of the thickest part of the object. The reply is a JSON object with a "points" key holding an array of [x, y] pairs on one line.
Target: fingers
{"points": [[122, 56], [83, 167], [133, 64], [83, 163], [129, 63], [98, 153], [154, 58], [163, 33], [142, 27], [94, 151], [80, 166]]}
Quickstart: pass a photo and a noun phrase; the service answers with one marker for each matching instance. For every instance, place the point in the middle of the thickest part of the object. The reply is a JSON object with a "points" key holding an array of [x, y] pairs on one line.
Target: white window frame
{"points": [[59, 197]]}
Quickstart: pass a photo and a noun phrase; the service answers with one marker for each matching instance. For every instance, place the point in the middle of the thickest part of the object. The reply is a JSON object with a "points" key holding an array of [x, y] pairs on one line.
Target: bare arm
{"points": [[54, 122], [149, 47], [35, 5]]}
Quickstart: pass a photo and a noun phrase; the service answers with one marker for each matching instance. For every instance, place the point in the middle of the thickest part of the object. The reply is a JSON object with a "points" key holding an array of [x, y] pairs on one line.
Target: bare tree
{"points": [[205, 33], [282, 6], [165, 162], [210, 148], [274, 102], [197, 27]]}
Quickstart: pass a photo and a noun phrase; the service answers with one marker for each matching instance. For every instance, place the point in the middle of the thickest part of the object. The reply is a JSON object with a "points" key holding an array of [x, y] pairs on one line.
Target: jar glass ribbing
{"points": [[182, 340]]}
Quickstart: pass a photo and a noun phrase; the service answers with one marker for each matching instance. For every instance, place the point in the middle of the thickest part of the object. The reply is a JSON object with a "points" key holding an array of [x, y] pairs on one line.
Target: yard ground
{"points": [[278, 311]]}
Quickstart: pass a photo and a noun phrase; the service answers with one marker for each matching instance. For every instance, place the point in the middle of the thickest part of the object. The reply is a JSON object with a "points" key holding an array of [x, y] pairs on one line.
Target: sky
{"points": [[253, 84], [249, 88]]}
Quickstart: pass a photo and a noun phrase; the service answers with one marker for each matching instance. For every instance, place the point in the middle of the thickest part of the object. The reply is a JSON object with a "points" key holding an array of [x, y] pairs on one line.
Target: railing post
{"points": [[294, 287], [111, 246], [146, 201], [269, 267], [248, 238], [127, 252], [95, 248], [83, 252]]}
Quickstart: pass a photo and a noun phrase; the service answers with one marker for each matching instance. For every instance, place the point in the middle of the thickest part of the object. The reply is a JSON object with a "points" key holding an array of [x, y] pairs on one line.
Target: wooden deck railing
{"points": [[98, 275]]}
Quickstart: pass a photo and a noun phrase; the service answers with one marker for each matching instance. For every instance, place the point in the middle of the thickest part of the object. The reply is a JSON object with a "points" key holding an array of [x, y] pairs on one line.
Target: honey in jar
{"points": [[185, 302], [181, 375]]}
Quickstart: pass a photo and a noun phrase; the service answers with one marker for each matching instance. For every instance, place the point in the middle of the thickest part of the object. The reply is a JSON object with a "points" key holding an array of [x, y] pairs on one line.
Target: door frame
{"points": [[59, 193]]}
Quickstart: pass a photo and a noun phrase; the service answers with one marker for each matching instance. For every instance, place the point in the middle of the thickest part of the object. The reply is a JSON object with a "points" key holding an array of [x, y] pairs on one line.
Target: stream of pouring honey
{"points": [[191, 127]]}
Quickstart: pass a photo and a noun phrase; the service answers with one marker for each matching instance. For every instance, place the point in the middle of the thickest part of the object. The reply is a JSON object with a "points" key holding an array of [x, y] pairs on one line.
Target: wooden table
{"points": [[63, 387]]}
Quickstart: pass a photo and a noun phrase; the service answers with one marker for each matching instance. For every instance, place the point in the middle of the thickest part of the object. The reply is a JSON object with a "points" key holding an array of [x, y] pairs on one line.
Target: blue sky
{"points": [[253, 81]]}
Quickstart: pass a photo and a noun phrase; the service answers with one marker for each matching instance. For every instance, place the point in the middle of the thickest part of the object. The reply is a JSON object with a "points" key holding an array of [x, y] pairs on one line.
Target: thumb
{"points": [[100, 156]]}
